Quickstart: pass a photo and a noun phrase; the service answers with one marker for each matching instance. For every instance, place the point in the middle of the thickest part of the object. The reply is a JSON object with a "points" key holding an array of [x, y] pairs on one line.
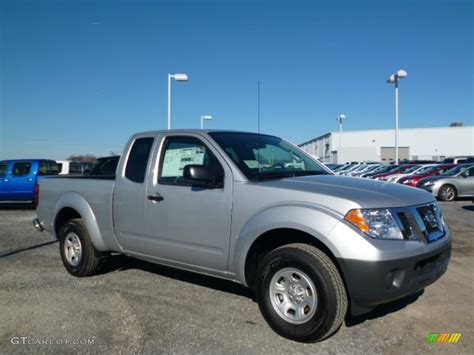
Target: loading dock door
{"points": [[387, 154]]}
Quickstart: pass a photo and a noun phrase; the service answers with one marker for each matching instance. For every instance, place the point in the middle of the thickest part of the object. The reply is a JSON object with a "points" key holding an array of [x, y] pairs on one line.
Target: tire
{"points": [[79, 256], [318, 298], [447, 193]]}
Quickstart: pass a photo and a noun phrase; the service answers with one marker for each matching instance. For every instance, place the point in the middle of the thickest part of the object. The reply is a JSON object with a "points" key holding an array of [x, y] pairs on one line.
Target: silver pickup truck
{"points": [[257, 210]]}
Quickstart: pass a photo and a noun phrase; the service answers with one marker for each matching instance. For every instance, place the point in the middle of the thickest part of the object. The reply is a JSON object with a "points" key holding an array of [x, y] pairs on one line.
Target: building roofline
{"points": [[316, 139], [381, 130]]}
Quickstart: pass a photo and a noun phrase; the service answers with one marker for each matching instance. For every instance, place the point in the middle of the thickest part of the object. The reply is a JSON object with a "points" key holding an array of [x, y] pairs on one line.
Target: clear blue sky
{"points": [[81, 76]]}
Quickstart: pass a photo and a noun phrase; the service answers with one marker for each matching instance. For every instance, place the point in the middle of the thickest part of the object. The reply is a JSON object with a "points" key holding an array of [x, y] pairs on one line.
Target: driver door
{"points": [[188, 224]]}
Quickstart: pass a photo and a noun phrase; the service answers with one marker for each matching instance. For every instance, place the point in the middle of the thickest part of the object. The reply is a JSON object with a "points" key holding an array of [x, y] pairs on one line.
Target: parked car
{"points": [[375, 170], [398, 170], [412, 180], [342, 167], [332, 166], [415, 169], [458, 159], [311, 244], [18, 178], [382, 170], [363, 168], [348, 170], [454, 183], [68, 167], [105, 166]]}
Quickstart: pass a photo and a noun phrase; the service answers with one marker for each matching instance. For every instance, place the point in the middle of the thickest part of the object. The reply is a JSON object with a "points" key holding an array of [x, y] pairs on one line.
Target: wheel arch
{"points": [[276, 238], [71, 206], [279, 225]]}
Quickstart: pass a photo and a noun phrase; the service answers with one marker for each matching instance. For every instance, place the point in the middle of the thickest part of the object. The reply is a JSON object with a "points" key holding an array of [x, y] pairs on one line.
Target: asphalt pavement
{"points": [[134, 306]]}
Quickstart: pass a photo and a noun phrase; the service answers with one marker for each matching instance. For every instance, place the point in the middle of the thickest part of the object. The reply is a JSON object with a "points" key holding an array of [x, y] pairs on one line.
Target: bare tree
{"points": [[88, 158]]}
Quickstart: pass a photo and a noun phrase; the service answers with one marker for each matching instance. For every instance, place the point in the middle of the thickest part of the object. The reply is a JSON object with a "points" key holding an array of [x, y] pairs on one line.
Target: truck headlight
{"points": [[376, 223]]}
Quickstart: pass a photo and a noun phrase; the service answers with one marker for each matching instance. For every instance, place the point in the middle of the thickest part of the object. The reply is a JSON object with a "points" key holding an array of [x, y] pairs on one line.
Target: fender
{"points": [[314, 220], [79, 203]]}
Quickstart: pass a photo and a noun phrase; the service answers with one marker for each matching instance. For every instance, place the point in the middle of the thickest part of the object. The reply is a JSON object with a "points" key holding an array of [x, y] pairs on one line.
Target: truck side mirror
{"points": [[201, 175]]}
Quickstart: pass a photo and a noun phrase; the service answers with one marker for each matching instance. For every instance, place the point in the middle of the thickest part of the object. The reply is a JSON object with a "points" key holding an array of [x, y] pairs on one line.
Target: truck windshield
{"points": [[262, 157]]}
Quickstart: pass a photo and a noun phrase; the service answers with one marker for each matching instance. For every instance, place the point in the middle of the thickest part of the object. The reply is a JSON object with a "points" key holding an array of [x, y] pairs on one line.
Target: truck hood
{"points": [[363, 192]]}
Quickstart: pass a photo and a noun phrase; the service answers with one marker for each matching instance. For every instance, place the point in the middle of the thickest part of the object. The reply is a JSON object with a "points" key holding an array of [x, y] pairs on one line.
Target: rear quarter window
{"points": [[138, 159]]}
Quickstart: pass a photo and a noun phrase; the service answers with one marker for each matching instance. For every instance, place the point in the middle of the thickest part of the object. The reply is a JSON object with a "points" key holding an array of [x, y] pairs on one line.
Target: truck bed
{"points": [[93, 193]]}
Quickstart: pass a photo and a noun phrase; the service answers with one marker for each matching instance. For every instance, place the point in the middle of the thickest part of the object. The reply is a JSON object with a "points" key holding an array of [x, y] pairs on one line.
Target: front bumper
{"points": [[433, 189], [371, 283]]}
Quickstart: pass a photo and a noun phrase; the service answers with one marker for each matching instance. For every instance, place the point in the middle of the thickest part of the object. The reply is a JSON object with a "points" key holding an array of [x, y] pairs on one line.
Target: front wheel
{"points": [[301, 293], [447, 193]]}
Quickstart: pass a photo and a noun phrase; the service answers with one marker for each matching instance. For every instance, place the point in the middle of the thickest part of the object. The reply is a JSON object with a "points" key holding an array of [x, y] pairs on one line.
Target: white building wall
{"points": [[424, 143]]}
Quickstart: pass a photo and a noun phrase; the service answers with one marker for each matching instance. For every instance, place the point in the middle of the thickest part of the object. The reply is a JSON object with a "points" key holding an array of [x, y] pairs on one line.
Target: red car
{"points": [[412, 180], [401, 169]]}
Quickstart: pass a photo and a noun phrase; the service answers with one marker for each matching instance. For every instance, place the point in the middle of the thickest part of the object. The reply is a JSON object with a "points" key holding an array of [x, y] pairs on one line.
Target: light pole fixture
{"points": [[205, 117], [393, 79], [177, 77], [340, 119]]}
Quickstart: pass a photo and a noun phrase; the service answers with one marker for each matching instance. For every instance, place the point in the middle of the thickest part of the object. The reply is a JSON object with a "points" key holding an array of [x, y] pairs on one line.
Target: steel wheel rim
{"points": [[448, 193], [72, 249], [293, 295]]}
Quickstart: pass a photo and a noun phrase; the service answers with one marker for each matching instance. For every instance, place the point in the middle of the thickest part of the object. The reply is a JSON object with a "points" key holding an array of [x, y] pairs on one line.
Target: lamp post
{"points": [[177, 77], [205, 117], [340, 119], [393, 79]]}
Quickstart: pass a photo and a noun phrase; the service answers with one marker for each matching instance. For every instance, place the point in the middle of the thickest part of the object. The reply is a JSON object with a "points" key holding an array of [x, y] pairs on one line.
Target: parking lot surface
{"points": [[135, 306]]}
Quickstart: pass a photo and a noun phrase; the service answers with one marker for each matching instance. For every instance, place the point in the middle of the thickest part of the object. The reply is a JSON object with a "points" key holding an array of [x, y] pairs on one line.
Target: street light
{"points": [[177, 77], [205, 117], [340, 118], [393, 79]]}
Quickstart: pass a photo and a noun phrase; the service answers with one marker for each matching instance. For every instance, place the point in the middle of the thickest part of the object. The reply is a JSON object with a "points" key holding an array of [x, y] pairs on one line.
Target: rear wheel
{"points": [[447, 193], [300, 293], [79, 256]]}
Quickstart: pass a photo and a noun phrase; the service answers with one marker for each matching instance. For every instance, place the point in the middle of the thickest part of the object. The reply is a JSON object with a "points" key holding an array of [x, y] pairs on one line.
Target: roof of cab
{"points": [[198, 131], [25, 160]]}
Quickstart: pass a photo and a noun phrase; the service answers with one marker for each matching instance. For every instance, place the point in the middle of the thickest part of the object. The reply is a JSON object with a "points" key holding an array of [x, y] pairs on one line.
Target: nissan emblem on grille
{"points": [[430, 218]]}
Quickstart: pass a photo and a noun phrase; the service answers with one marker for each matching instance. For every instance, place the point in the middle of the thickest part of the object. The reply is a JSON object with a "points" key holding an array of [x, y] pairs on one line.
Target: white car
{"points": [[364, 169], [68, 167], [417, 169]]}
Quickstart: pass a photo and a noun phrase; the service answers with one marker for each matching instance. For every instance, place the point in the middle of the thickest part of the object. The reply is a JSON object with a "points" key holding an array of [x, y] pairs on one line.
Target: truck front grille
{"points": [[421, 222]]}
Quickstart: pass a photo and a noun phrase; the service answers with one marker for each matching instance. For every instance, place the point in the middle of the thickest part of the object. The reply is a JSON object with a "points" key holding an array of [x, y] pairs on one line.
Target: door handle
{"points": [[156, 198], [29, 180]]}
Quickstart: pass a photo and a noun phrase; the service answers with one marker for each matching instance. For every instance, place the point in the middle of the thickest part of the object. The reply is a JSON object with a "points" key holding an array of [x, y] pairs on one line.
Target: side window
{"points": [[470, 173], [48, 168], [74, 168], [3, 169], [109, 167], [138, 160], [21, 169], [181, 151]]}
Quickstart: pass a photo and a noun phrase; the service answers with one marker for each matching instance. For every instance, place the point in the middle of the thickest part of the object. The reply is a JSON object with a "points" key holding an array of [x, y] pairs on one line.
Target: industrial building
{"points": [[434, 143]]}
